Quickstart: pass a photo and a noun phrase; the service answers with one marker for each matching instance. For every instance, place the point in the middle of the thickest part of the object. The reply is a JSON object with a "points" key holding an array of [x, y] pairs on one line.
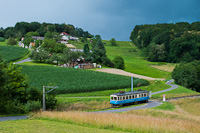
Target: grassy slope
{"points": [[44, 126], [134, 62], [3, 43]]}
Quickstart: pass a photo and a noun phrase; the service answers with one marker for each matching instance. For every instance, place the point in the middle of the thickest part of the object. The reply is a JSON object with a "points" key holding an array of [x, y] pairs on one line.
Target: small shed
{"points": [[86, 66]]}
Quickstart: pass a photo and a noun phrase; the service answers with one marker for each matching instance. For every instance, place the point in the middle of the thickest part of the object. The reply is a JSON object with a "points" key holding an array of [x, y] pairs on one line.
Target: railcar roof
{"points": [[130, 93]]}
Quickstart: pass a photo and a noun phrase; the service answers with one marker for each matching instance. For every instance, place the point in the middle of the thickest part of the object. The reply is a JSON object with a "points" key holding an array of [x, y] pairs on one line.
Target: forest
{"points": [[179, 42]]}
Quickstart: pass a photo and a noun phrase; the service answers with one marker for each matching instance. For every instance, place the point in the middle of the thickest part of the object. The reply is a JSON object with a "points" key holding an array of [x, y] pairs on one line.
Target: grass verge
{"points": [[154, 86], [45, 126], [178, 92]]}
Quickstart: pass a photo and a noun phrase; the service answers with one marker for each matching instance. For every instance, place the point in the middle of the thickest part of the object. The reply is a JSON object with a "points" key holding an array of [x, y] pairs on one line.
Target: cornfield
{"points": [[12, 53], [70, 80]]}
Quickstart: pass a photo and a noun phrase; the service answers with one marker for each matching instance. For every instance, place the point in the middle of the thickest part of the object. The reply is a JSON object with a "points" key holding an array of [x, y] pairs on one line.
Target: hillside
{"points": [[134, 61]]}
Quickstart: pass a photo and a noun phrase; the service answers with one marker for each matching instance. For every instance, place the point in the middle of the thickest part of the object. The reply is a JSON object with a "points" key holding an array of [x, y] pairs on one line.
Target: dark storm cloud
{"points": [[109, 18]]}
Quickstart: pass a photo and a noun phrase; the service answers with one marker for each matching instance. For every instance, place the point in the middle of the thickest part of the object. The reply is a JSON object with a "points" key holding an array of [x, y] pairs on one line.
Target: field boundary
{"points": [[124, 73]]}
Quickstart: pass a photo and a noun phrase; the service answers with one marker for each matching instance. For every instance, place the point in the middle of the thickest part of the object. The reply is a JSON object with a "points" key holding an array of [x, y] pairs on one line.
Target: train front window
{"points": [[111, 98], [115, 98]]}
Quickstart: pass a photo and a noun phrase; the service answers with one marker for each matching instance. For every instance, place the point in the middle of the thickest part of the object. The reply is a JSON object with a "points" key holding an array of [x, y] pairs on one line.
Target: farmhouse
{"points": [[37, 38], [65, 37]]}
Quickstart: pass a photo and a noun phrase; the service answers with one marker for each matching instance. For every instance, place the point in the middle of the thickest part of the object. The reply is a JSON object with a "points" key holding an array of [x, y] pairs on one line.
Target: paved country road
{"points": [[150, 104], [25, 60], [13, 118], [173, 86]]}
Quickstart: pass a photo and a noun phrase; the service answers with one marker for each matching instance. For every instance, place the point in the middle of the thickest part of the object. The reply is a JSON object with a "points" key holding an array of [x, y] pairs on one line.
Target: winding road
{"points": [[25, 60]]}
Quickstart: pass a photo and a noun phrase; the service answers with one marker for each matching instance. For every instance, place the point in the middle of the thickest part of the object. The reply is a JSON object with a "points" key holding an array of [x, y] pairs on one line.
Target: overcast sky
{"points": [[108, 18]]}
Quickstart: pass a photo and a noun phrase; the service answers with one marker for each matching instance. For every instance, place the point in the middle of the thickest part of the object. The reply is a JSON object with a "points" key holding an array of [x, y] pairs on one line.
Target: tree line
{"points": [[179, 42], [22, 28]]}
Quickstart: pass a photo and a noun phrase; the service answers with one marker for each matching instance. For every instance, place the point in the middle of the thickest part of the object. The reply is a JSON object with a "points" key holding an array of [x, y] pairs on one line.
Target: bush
{"points": [[107, 62], [13, 107], [119, 62], [11, 41], [33, 106], [2, 39]]}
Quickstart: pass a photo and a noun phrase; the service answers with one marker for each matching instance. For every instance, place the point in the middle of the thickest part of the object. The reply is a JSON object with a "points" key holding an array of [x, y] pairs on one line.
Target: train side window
{"points": [[120, 98], [126, 97], [142, 95], [115, 98], [133, 96], [130, 97], [145, 94]]}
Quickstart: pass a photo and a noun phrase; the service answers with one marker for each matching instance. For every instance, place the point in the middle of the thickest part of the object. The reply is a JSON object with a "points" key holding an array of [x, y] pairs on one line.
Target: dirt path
{"points": [[122, 72]]}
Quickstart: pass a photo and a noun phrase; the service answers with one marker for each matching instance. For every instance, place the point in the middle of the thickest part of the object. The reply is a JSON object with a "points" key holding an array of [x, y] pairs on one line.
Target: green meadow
{"points": [[134, 62]]}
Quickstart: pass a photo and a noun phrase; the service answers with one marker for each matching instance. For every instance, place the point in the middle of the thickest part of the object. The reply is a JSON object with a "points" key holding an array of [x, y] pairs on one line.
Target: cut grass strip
{"points": [[45, 126]]}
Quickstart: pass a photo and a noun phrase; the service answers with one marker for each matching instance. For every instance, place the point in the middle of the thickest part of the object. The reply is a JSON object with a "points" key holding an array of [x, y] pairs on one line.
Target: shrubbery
{"points": [[119, 62], [11, 41], [15, 98], [188, 75], [2, 39]]}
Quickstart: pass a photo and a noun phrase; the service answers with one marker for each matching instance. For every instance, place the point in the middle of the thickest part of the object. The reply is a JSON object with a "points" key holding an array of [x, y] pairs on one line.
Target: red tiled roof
{"points": [[32, 43], [65, 33]]}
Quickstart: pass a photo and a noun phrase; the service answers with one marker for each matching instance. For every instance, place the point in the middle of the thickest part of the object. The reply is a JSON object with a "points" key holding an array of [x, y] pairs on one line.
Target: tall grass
{"points": [[185, 118], [124, 122], [83, 106]]}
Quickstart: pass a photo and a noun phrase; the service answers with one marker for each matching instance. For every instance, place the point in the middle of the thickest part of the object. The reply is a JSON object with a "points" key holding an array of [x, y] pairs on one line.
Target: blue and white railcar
{"points": [[130, 97]]}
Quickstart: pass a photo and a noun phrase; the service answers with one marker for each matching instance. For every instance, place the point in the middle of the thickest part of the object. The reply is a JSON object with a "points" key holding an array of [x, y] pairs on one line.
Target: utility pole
{"points": [[44, 104], [131, 83]]}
